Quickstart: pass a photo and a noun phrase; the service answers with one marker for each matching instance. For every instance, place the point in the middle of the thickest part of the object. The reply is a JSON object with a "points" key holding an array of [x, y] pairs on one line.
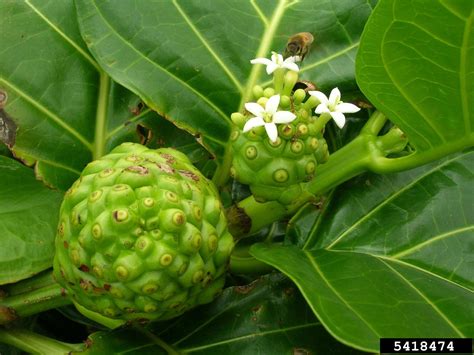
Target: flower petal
{"points": [[290, 66], [274, 57], [272, 104], [339, 118], [283, 117], [334, 96], [323, 99], [254, 109], [277, 58], [253, 122], [347, 108], [272, 131], [264, 61], [321, 109], [271, 68]]}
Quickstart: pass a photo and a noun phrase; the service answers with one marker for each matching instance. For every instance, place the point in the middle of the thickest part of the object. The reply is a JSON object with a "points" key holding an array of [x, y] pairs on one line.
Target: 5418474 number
{"points": [[392, 345]]}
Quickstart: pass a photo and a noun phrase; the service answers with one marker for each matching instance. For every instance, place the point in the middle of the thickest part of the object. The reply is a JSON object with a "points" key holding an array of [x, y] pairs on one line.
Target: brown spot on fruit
{"points": [[169, 158], [138, 169], [165, 168], [189, 174]]}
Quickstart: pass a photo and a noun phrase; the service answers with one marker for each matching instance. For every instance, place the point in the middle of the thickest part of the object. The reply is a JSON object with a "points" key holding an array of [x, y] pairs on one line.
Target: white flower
{"points": [[334, 106], [278, 62], [267, 117]]}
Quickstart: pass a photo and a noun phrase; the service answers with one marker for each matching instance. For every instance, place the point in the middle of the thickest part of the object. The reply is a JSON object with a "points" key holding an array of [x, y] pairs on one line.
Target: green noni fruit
{"points": [[142, 235], [270, 168]]}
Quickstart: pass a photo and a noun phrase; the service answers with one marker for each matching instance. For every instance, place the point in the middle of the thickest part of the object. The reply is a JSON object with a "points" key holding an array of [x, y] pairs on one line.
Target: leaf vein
{"points": [[388, 200], [463, 71], [54, 118], [207, 46], [63, 35], [259, 13], [154, 64], [428, 301], [254, 335], [432, 240], [331, 287]]}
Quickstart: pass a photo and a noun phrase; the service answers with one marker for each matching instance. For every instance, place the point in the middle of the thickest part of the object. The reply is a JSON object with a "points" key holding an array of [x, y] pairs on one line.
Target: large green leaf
{"points": [[416, 64], [66, 111], [189, 60], [268, 316], [28, 217], [390, 256]]}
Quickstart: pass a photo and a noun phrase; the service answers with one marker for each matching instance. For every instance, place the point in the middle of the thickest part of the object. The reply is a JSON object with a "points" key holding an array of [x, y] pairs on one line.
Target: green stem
{"points": [[101, 116], [33, 283], [322, 121], [383, 165], [248, 265], [347, 162], [221, 175], [278, 76], [374, 124], [36, 344], [29, 303]]}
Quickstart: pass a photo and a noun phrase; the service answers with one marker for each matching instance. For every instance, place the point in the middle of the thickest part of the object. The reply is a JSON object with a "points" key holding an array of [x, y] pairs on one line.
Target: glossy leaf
{"points": [[54, 88], [28, 217], [189, 60], [390, 256], [268, 316], [416, 64]]}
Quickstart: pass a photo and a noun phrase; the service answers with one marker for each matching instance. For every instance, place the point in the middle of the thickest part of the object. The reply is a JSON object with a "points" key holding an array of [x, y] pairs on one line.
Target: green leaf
{"points": [[189, 60], [416, 65], [268, 316], [64, 110], [28, 215], [390, 256]]}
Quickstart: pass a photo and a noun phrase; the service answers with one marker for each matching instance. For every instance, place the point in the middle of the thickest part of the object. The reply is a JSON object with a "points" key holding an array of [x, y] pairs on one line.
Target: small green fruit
{"points": [[269, 168]]}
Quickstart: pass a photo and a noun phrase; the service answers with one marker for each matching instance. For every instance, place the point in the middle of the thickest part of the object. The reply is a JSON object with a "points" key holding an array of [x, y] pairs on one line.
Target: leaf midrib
{"points": [[263, 50]]}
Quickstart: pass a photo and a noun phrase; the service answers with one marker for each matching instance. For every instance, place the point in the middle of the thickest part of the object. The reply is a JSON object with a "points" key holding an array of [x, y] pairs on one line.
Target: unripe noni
{"points": [[142, 235]]}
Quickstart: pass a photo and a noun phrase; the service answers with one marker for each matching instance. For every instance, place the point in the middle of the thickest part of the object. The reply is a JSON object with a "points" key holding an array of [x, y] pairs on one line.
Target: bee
{"points": [[298, 45]]}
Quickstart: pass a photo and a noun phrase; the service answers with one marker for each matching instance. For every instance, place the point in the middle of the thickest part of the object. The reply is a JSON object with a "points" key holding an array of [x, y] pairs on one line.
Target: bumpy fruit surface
{"points": [[269, 168], [142, 235]]}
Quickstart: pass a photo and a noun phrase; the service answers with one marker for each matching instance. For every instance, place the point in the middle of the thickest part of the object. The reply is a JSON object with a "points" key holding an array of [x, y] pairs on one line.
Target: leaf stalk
{"points": [[35, 343]]}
